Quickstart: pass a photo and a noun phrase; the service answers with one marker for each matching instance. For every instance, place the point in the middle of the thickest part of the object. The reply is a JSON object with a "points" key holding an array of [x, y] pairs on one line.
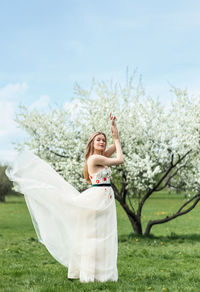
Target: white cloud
{"points": [[10, 96], [9, 132], [13, 91], [73, 107], [159, 89], [6, 156], [7, 124], [41, 103]]}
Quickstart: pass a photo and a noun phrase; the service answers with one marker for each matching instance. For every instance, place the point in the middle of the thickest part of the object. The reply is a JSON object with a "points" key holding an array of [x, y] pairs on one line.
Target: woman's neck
{"points": [[100, 152]]}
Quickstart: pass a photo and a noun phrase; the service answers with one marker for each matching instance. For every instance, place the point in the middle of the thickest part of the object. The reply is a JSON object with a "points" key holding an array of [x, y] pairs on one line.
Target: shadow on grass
{"points": [[173, 237]]}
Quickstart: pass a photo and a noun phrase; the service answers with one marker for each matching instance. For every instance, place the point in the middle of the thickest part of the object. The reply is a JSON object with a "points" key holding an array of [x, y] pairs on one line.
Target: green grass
{"points": [[168, 260]]}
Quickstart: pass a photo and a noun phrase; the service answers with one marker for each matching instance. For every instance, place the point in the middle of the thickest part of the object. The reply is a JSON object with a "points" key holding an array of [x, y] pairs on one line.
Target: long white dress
{"points": [[78, 229]]}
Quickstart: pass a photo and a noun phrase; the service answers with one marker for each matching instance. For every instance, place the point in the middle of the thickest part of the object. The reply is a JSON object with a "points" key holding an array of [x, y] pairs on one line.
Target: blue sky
{"points": [[47, 46]]}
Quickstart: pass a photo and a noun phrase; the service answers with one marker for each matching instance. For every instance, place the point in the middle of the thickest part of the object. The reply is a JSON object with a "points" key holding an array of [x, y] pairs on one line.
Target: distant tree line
{"points": [[5, 184]]}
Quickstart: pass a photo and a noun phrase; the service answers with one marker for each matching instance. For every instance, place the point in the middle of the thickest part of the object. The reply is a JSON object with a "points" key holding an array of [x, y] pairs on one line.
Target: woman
{"points": [[96, 156], [78, 229]]}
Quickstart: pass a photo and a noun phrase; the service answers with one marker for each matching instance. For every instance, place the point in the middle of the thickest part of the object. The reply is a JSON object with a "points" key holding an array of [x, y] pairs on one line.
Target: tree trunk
{"points": [[137, 226], [135, 222]]}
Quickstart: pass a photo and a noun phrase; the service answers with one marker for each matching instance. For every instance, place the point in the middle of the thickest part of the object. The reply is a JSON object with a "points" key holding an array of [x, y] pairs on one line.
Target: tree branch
{"points": [[172, 160], [150, 192], [170, 177], [131, 203], [124, 205], [37, 136], [177, 214], [123, 192], [189, 201], [117, 193], [55, 153]]}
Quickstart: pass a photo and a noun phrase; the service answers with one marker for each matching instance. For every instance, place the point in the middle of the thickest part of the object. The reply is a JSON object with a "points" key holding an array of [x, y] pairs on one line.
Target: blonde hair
{"points": [[89, 151]]}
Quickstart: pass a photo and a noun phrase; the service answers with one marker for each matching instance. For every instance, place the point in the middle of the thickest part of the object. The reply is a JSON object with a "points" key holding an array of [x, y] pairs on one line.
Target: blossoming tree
{"points": [[160, 146]]}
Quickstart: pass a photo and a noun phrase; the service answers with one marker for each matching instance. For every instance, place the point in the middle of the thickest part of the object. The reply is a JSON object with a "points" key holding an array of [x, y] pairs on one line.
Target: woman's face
{"points": [[99, 143]]}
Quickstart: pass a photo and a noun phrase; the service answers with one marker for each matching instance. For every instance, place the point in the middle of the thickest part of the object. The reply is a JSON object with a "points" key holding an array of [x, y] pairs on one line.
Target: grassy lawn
{"points": [[168, 260]]}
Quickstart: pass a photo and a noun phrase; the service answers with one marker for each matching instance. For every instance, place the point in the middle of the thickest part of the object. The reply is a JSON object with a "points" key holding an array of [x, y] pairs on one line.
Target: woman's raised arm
{"points": [[97, 159], [110, 150]]}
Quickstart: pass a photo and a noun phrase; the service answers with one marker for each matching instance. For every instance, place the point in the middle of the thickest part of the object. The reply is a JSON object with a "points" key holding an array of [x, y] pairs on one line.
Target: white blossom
{"points": [[152, 137]]}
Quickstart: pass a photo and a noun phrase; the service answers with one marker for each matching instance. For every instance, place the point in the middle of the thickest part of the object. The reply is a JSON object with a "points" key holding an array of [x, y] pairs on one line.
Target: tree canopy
{"points": [[160, 145]]}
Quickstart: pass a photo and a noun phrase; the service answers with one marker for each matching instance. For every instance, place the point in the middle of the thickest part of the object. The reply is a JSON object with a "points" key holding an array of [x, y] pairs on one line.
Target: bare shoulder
{"points": [[94, 158], [94, 164], [97, 159]]}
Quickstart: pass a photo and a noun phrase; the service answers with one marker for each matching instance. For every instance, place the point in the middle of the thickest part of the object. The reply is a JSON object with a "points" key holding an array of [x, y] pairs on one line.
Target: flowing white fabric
{"points": [[78, 229]]}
